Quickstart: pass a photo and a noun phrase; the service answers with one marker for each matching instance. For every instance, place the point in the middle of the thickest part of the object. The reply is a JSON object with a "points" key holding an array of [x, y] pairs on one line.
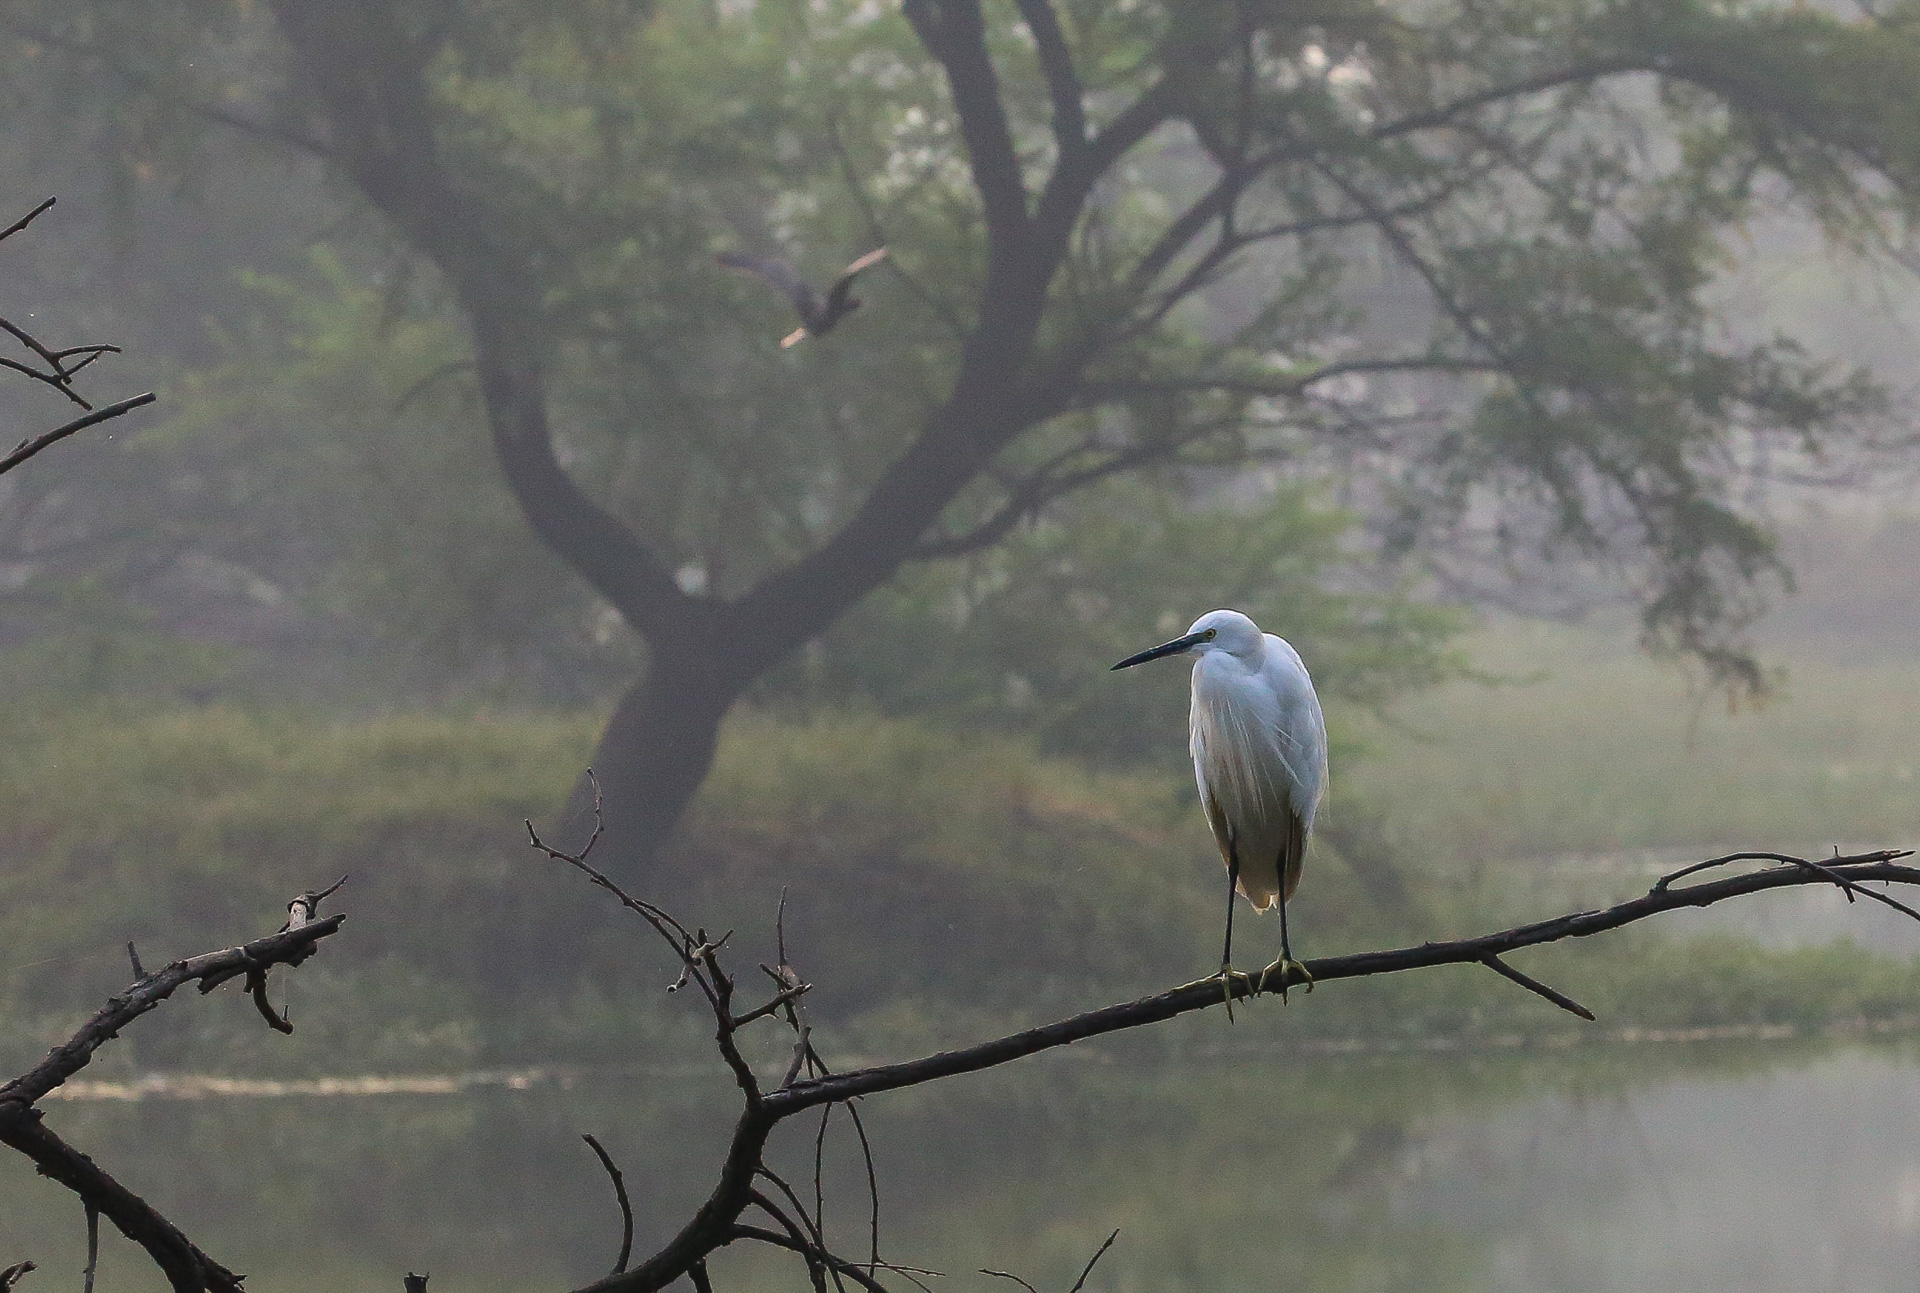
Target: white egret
{"points": [[1259, 748]]}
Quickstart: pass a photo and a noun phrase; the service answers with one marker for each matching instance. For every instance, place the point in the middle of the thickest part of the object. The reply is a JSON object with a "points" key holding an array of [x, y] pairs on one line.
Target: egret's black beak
{"points": [[1174, 647]]}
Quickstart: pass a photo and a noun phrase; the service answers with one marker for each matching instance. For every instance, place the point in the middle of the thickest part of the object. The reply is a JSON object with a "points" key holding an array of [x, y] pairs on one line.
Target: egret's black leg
{"points": [[1226, 953], [1286, 963], [1233, 882]]}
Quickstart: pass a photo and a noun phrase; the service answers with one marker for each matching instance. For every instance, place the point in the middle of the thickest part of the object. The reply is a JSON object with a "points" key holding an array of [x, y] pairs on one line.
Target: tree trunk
{"points": [[653, 754]]}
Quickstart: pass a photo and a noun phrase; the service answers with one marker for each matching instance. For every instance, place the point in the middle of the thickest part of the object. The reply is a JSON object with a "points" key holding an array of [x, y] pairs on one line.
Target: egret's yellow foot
{"points": [[1226, 976], [1279, 972]]}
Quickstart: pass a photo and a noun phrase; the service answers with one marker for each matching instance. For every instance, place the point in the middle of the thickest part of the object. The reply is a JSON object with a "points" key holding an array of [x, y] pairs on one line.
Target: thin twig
{"points": [[1532, 984], [93, 1243], [619, 1193], [34, 444], [5, 234], [804, 1245], [257, 989], [1826, 871], [1009, 1275], [839, 1265], [1092, 1261], [873, 1180]]}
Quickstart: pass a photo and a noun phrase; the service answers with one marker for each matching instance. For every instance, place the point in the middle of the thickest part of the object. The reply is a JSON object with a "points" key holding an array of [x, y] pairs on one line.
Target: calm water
{"points": [[1751, 1167]]}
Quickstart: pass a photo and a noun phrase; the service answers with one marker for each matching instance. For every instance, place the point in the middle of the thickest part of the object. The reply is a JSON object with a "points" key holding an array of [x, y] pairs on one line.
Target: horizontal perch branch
{"points": [[717, 1222], [1867, 867]]}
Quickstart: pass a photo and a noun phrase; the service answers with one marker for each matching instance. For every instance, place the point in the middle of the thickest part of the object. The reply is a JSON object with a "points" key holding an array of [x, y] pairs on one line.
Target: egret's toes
{"points": [[1280, 971], [1226, 976]]}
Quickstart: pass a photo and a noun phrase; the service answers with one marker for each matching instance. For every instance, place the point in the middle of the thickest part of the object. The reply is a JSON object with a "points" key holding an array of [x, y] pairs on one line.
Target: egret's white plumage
{"points": [[1259, 747]]}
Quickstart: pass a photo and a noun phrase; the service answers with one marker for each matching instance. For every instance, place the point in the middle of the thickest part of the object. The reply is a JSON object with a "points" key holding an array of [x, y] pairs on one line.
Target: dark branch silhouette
{"points": [[22, 1128], [620, 1195], [808, 1083], [61, 367]]}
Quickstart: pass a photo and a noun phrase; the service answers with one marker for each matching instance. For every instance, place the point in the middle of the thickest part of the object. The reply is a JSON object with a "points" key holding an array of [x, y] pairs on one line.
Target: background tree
{"points": [[1532, 199]]}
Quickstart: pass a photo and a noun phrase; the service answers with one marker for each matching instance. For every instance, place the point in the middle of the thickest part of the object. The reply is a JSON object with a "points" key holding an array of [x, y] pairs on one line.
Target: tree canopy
{"points": [[1451, 263]]}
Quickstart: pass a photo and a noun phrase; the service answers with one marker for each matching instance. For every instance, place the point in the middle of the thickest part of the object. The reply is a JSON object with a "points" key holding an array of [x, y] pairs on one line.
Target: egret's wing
{"points": [[1252, 817], [867, 261], [1259, 766], [837, 294], [781, 275]]}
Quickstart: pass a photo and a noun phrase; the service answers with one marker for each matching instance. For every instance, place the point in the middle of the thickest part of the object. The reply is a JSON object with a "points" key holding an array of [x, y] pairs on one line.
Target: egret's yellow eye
{"points": [[1212, 634]]}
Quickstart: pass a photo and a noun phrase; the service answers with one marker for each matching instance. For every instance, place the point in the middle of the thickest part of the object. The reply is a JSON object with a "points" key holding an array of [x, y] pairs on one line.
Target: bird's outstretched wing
{"points": [[837, 294], [777, 272]]}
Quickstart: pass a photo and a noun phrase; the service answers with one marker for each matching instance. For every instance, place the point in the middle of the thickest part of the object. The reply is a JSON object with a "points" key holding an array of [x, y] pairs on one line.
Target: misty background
{"points": [[1616, 574]]}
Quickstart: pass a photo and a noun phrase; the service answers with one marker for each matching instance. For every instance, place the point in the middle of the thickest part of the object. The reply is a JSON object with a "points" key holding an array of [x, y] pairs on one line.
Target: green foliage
{"points": [[937, 887], [1550, 356], [1021, 636]]}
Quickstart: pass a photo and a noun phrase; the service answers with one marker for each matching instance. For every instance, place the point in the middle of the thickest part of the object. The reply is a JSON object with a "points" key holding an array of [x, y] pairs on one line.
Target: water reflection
{"points": [[1750, 1167]]}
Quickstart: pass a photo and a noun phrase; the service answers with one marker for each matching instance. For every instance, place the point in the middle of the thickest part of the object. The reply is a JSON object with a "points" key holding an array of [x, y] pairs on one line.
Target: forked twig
{"points": [[1846, 886]]}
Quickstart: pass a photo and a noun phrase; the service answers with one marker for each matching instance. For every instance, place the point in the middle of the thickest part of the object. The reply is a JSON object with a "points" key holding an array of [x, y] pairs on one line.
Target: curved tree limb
{"points": [[717, 1223], [187, 1268]]}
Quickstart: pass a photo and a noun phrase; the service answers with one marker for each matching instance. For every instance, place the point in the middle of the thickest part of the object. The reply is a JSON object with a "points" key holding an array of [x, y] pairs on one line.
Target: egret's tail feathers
{"points": [[1263, 897]]}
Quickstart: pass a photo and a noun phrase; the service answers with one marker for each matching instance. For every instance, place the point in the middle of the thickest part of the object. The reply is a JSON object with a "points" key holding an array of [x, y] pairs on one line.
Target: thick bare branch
{"points": [[1878, 867], [187, 1268], [209, 970]]}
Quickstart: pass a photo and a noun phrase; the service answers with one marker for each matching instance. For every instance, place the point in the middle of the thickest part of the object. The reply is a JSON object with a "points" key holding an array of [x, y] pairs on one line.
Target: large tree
{"points": [[1460, 253]]}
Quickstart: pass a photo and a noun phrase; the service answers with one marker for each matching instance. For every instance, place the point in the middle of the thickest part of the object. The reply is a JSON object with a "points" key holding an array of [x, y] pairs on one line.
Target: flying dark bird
{"points": [[817, 316]]}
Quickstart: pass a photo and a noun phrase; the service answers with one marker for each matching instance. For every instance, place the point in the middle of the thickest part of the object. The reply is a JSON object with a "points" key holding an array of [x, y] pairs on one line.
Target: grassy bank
{"points": [[938, 884]]}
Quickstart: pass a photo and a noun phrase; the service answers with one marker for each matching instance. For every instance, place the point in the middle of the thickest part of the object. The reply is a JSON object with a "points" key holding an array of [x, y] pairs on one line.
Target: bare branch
{"points": [[209, 970], [1093, 1261], [1531, 984], [12, 1275], [620, 1194], [5, 234], [1879, 866], [29, 447], [1009, 1275], [838, 1265], [187, 1268], [93, 1243], [1847, 886]]}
